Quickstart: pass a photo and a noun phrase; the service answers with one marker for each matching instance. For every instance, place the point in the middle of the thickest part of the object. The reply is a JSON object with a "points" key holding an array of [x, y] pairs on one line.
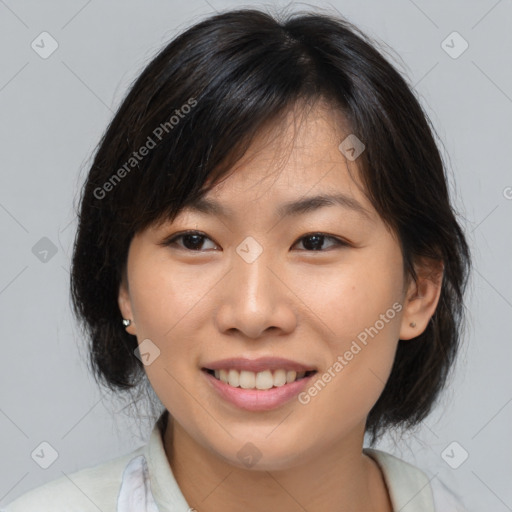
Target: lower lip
{"points": [[258, 399]]}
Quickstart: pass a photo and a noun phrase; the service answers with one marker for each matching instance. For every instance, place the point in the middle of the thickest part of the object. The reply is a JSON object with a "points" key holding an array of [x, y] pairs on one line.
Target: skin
{"points": [[307, 305]]}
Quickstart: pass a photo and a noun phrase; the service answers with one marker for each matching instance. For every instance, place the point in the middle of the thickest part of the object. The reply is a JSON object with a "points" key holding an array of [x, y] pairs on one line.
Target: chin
{"points": [[264, 455]]}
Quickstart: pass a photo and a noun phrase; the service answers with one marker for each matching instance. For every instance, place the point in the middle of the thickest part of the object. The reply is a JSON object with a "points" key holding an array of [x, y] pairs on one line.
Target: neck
{"points": [[340, 478]]}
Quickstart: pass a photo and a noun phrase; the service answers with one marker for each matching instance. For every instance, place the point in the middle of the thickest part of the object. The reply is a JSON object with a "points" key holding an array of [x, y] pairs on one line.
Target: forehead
{"points": [[296, 157]]}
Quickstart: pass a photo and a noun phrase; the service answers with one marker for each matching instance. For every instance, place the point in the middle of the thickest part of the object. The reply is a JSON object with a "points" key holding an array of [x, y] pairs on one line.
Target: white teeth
{"points": [[247, 379], [279, 378], [233, 378], [264, 380], [258, 380], [291, 375]]}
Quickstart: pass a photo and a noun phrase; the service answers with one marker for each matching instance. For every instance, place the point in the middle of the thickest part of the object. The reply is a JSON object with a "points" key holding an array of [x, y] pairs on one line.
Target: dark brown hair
{"points": [[197, 106]]}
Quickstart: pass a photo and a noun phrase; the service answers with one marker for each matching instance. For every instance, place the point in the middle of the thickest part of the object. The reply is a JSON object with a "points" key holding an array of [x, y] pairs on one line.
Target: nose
{"points": [[254, 299]]}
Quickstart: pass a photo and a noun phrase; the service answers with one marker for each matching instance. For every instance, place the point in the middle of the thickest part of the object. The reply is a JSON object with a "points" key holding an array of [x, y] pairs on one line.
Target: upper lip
{"points": [[258, 365]]}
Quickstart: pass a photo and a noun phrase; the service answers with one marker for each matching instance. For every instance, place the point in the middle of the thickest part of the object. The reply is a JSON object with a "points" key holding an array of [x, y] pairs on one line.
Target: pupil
{"points": [[317, 242], [193, 245]]}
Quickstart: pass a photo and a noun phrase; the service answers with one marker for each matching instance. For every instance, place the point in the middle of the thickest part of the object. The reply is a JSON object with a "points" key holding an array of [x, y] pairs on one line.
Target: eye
{"points": [[192, 240], [315, 241]]}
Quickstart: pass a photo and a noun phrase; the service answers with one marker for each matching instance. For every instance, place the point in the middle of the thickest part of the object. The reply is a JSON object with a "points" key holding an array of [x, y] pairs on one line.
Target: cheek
{"points": [[360, 309], [355, 297], [164, 308], [165, 298], [170, 305], [360, 361]]}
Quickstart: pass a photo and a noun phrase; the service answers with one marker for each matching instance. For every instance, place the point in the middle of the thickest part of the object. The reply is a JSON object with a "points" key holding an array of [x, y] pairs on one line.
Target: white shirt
{"points": [[143, 481]]}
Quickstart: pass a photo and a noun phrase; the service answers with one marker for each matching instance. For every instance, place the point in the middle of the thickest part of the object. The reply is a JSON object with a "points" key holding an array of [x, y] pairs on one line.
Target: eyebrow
{"points": [[290, 208]]}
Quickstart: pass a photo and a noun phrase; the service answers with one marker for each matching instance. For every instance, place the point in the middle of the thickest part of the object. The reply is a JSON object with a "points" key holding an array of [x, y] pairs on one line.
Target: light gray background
{"points": [[53, 112]]}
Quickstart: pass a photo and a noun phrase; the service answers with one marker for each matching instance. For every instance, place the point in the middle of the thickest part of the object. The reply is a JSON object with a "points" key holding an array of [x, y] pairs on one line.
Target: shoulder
{"points": [[90, 489], [412, 488]]}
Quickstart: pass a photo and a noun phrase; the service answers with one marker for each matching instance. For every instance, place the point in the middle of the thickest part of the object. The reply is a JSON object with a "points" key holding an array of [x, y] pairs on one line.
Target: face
{"points": [[279, 291]]}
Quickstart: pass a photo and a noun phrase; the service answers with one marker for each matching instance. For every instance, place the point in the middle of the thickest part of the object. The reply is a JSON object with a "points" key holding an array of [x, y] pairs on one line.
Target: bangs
{"points": [[212, 99]]}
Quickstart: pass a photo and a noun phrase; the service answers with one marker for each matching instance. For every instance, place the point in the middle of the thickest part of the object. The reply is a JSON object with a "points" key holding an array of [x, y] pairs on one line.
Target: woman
{"points": [[266, 234]]}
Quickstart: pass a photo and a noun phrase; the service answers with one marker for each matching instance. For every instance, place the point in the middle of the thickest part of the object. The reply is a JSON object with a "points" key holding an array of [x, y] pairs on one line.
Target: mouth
{"points": [[262, 384], [261, 380]]}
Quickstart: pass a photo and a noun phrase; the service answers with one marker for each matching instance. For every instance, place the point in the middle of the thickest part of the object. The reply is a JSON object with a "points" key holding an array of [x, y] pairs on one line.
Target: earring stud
{"points": [[413, 324], [126, 322]]}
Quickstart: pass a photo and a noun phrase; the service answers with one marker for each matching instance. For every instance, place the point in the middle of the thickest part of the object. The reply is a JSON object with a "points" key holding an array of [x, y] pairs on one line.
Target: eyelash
{"points": [[172, 240]]}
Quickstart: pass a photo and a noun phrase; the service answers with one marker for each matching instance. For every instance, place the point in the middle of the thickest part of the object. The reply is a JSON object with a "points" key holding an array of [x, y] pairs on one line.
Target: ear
{"points": [[421, 298], [125, 305]]}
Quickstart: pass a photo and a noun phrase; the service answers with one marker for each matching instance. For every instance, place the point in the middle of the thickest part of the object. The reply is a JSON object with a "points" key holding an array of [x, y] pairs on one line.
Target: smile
{"points": [[265, 390], [262, 380]]}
